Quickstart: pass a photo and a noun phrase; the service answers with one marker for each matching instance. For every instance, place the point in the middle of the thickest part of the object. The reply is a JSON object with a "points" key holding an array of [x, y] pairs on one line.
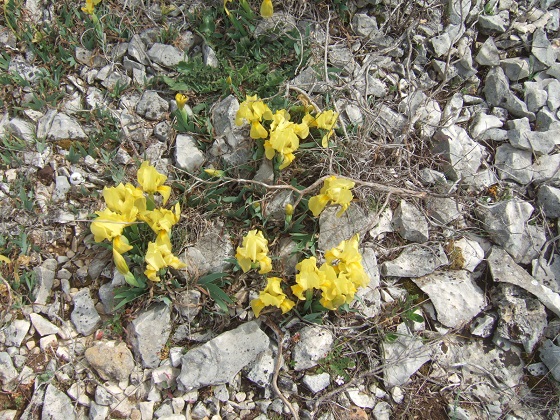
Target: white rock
{"points": [[315, 343], [43, 326], [187, 154], [57, 406], [415, 261], [316, 383], [397, 394], [360, 399], [471, 252]]}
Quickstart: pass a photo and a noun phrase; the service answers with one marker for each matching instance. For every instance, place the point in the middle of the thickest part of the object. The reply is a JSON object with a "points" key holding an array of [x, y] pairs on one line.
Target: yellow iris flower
{"points": [[161, 219], [109, 225], [159, 255], [152, 181], [284, 137], [254, 111], [308, 278], [181, 100], [254, 250], [326, 120], [272, 295], [89, 8], [125, 199], [215, 172], [334, 190], [267, 9]]}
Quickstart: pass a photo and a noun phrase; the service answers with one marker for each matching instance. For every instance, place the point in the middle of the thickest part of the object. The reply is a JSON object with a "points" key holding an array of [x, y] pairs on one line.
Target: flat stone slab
{"points": [[454, 294], [219, 360], [504, 269]]}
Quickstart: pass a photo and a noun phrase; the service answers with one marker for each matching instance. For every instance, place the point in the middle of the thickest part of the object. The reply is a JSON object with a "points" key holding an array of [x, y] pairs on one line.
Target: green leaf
{"points": [[415, 317], [210, 278], [391, 338]]}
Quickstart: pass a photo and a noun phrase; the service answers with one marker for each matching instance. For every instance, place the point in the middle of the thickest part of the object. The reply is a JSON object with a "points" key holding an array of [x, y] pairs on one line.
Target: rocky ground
{"points": [[449, 125]]}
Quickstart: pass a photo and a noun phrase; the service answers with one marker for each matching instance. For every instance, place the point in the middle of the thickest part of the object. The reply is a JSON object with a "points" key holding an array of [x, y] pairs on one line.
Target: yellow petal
{"points": [[149, 178], [317, 204], [121, 245], [267, 9], [120, 262], [181, 100], [215, 172], [258, 131], [5, 259], [257, 305]]}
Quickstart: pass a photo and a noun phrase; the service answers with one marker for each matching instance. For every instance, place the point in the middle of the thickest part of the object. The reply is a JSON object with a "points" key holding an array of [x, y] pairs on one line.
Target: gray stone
{"points": [[15, 332], [488, 54], [364, 25], [162, 131], [463, 156], [137, 50], [8, 414], [371, 86], [504, 269], [443, 210], [472, 253], [7, 370], [166, 55], [84, 315], [151, 106], [516, 68], [521, 137], [483, 325], [187, 154], [231, 144], [57, 405], [492, 23], [316, 383], [210, 252], [483, 122], [547, 272], [314, 344], [497, 93], [546, 168], [275, 209], [441, 44], [542, 49], [22, 129], [341, 56], [64, 127], [550, 356], [514, 164], [98, 412], [187, 303], [145, 344], [458, 11], [444, 71], [388, 122], [25, 70], [522, 317], [43, 326], [537, 369], [209, 56], [382, 411], [452, 110], [333, 230], [45, 279], [361, 399], [535, 97], [402, 357], [415, 261], [62, 186], [368, 299], [506, 223], [116, 79], [410, 223], [553, 98], [220, 359], [455, 296], [262, 369], [110, 360], [146, 409], [549, 199]]}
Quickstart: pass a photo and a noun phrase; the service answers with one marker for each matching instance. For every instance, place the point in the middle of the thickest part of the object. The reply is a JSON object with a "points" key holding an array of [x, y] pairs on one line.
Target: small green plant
{"points": [[337, 364], [214, 284]]}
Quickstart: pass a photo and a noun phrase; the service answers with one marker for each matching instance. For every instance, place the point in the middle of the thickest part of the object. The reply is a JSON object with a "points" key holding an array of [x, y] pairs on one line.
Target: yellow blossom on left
{"points": [[152, 181], [326, 120], [272, 295], [161, 219], [89, 8], [254, 250]]}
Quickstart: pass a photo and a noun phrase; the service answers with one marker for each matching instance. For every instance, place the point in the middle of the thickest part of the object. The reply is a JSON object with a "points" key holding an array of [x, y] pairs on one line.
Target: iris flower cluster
{"points": [[282, 137], [128, 205], [338, 278]]}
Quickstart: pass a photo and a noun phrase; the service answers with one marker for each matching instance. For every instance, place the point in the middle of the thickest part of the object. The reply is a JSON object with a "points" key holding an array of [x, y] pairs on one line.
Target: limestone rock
{"points": [[410, 223], [57, 405], [110, 360], [145, 344], [220, 359], [314, 344], [84, 316], [415, 261]]}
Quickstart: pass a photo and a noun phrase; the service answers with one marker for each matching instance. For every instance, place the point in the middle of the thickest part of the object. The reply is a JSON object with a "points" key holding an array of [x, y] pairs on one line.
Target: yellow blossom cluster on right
{"points": [[281, 135], [338, 278]]}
